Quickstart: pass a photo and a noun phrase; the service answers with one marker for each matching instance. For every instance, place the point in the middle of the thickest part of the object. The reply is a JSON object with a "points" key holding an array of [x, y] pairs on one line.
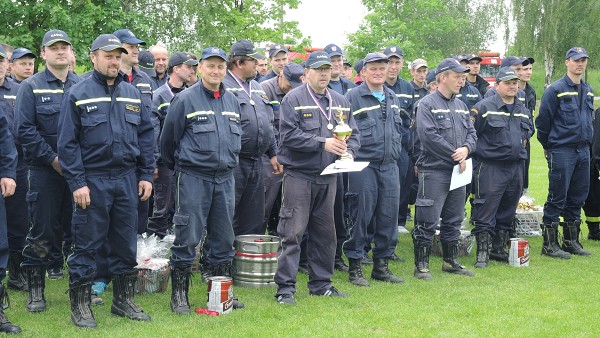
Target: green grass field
{"points": [[551, 298]]}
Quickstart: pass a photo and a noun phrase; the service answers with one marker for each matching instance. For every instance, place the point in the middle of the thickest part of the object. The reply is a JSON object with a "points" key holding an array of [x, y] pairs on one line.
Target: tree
{"points": [[429, 29]]}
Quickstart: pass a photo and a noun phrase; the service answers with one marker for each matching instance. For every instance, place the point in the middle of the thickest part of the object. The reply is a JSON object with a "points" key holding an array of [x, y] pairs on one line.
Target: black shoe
{"points": [[367, 260], [17, 278], [81, 311], [499, 241], [286, 299], [180, 284], [422, 253], [381, 271], [550, 246], [594, 233], [124, 304], [36, 283], [355, 273], [340, 265], [5, 325], [55, 273], [571, 242], [450, 261], [331, 292], [396, 258], [237, 305], [483, 250]]}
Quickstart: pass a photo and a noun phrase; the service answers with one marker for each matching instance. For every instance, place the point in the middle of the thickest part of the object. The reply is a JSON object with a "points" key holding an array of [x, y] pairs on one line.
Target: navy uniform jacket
{"points": [[520, 94], [565, 116], [501, 135], [303, 130], [443, 125], [37, 113], [480, 84], [201, 135], [418, 92], [596, 142], [345, 84], [530, 101], [159, 82], [8, 152], [161, 100], [271, 74], [405, 94], [379, 125], [258, 137], [8, 99], [275, 95], [104, 132], [469, 95]]}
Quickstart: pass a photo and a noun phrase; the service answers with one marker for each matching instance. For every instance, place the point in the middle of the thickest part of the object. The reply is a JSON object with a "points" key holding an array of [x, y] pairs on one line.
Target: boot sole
{"points": [[467, 273], [398, 281], [555, 256], [84, 326], [118, 312]]}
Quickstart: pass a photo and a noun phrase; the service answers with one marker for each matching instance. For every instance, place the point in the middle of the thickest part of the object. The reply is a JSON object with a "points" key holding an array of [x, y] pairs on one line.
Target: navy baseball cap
{"points": [[213, 52], [21, 52], [146, 62], [506, 74], [317, 59], [179, 58], [451, 64], [274, 49], [2, 51], [375, 57], [576, 53], [293, 73], [513, 61], [430, 76], [53, 36], [346, 62], [127, 36], [472, 57], [462, 58], [245, 48], [333, 50], [107, 43], [359, 65], [393, 51]]}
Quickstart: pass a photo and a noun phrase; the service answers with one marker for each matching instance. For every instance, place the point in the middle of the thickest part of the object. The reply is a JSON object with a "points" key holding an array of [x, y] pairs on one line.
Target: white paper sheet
{"points": [[464, 178], [345, 166]]}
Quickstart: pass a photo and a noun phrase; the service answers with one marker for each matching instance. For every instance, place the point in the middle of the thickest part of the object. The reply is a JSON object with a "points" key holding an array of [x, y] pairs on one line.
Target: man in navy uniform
{"points": [[374, 193], [307, 146], [278, 58], [105, 146], [201, 142], [50, 202], [564, 128], [503, 126], [447, 137]]}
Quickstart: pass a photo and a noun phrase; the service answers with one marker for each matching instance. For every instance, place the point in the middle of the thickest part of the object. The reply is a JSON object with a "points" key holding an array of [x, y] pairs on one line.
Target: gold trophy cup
{"points": [[343, 132]]}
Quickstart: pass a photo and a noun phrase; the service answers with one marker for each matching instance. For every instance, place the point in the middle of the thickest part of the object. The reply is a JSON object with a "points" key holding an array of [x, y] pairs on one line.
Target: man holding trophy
{"points": [[308, 145], [373, 194]]}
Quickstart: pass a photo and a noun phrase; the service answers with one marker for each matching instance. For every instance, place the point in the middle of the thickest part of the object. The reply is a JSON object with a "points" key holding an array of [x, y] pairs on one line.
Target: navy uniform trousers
{"points": [[17, 214], [372, 199], [164, 199], [3, 240], [202, 205], [249, 197], [110, 218], [497, 188], [434, 200], [306, 206], [50, 204]]}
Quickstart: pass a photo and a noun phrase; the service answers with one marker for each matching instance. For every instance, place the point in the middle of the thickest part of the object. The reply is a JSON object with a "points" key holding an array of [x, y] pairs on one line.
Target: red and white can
{"points": [[518, 254], [220, 294]]}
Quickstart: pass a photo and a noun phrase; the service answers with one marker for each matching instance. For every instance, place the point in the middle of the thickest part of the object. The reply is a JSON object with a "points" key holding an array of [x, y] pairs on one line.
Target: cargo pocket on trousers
{"points": [[285, 218], [350, 209], [182, 231], [78, 234], [424, 211], [31, 199]]}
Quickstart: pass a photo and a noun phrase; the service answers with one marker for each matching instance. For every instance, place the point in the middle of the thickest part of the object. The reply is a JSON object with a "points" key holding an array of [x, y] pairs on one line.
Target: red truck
{"points": [[490, 65]]}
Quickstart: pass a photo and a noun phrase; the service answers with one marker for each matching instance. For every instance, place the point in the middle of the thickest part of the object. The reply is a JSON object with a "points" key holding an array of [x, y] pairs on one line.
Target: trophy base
{"points": [[344, 163]]}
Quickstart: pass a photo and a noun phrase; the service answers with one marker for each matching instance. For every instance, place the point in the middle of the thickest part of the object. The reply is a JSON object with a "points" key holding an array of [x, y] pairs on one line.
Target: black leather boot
{"points": [[17, 279], [180, 284], [422, 253], [550, 247], [382, 272], [499, 241], [483, 249], [340, 265], [5, 325], [123, 303], [355, 273], [81, 300], [594, 233], [571, 243], [450, 262], [36, 283]]}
